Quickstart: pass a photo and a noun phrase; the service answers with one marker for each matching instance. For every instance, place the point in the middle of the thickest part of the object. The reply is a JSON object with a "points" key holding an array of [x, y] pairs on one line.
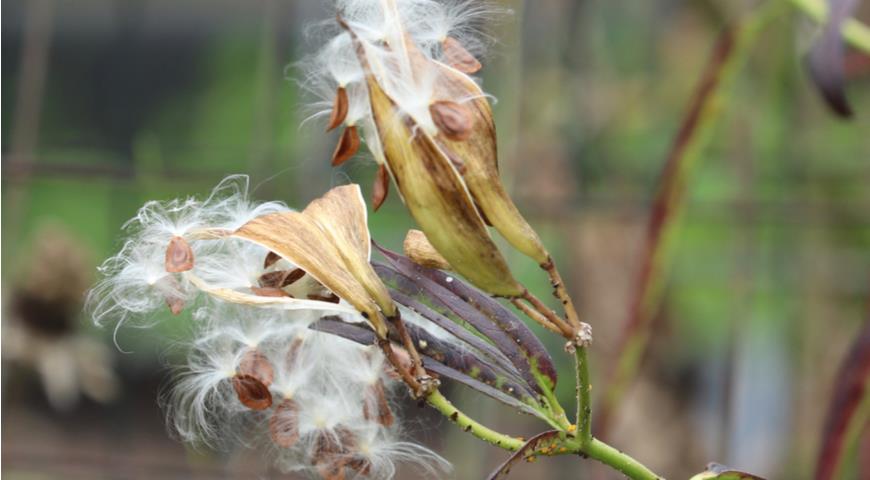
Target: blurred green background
{"points": [[108, 104]]}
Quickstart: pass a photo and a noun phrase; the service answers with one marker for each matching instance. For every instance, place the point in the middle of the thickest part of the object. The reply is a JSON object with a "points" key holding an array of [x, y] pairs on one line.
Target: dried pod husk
{"points": [[421, 252], [329, 240], [179, 256], [479, 156], [284, 424], [253, 393], [437, 199], [255, 364]]}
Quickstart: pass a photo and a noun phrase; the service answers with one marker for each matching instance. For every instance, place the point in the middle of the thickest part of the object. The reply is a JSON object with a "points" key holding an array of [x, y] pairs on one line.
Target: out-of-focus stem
{"points": [[731, 51], [854, 32], [501, 440]]}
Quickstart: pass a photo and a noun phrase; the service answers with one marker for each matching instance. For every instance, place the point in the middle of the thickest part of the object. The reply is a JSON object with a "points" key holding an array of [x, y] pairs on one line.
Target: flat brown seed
{"points": [[333, 298], [270, 260], [293, 352], [339, 109], [175, 304], [179, 256], [458, 57], [284, 424], [377, 400], [381, 188], [452, 119], [347, 146], [252, 392], [281, 278], [257, 365], [270, 292]]}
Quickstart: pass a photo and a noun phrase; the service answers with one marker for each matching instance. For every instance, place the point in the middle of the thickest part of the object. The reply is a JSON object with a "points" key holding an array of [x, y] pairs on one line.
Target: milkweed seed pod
{"points": [[427, 124], [238, 251]]}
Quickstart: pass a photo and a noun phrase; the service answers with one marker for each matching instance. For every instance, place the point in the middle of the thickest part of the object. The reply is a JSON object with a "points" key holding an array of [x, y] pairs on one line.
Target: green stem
{"points": [[556, 411], [440, 403], [612, 457], [584, 403], [855, 33]]}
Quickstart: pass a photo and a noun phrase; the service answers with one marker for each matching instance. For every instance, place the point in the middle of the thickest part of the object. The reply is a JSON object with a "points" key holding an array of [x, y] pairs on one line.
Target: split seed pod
{"points": [[418, 249], [330, 241], [433, 189]]}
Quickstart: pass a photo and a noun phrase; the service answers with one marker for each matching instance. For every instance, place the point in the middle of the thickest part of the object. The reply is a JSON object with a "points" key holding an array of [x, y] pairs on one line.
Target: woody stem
{"points": [[394, 360]]}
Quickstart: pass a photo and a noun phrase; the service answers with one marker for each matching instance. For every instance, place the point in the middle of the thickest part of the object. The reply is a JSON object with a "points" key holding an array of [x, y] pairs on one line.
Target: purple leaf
{"points": [[827, 58], [495, 322], [512, 395], [526, 451], [450, 326]]}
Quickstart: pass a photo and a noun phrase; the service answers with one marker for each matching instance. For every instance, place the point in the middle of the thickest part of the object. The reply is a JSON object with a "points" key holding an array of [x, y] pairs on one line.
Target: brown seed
{"points": [[339, 109], [281, 278], [362, 466], [458, 57], [175, 304], [452, 119], [381, 187], [257, 365], [284, 424], [179, 256], [252, 392], [293, 352], [347, 146], [270, 260], [270, 292], [331, 298], [376, 399], [333, 469]]}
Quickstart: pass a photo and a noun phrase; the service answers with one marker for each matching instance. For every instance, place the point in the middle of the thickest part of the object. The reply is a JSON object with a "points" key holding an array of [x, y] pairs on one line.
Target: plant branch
{"points": [[535, 315], [612, 457], [564, 329], [584, 404], [439, 402], [561, 293]]}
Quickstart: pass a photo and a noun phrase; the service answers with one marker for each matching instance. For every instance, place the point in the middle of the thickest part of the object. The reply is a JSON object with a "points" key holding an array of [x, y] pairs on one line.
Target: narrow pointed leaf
{"points": [[364, 336], [511, 337], [716, 471], [827, 58], [526, 451], [851, 389]]}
